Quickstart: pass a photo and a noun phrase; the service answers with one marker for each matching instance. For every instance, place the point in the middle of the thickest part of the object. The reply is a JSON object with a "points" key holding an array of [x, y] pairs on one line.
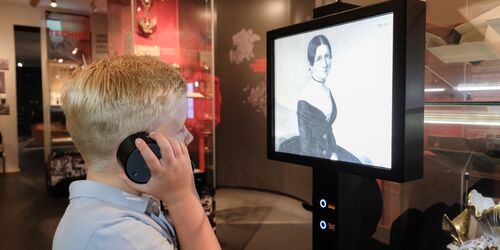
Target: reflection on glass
{"points": [[180, 34], [462, 112], [68, 47]]}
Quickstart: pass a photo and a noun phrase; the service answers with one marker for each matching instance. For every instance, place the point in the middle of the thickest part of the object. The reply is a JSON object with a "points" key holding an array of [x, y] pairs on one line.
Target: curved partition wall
{"points": [[240, 54]]}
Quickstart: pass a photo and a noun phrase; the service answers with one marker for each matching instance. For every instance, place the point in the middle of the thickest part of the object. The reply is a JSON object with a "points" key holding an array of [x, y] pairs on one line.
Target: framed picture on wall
{"points": [[2, 83], [4, 64], [4, 107]]}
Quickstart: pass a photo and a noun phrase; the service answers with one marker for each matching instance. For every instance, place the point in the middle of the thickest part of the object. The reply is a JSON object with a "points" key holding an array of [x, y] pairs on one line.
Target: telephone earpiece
{"points": [[131, 159]]}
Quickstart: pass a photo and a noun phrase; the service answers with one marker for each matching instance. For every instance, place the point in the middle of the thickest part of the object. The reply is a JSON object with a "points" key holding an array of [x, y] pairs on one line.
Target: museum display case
{"points": [[461, 125], [179, 33], [68, 48]]}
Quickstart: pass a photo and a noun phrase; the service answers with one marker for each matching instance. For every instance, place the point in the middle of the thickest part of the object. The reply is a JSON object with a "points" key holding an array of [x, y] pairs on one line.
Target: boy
{"points": [[104, 103]]}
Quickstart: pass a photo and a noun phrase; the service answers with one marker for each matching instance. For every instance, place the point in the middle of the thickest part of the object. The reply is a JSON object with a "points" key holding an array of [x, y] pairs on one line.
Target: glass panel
{"points": [[68, 47], [68, 37], [462, 114], [120, 31], [462, 93], [195, 62], [180, 34], [462, 58], [462, 125]]}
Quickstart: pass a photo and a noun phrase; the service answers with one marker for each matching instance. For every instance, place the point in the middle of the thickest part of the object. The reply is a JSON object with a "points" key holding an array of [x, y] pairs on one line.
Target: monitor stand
{"points": [[334, 226], [325, 209], [332, 9], [346, 210]]}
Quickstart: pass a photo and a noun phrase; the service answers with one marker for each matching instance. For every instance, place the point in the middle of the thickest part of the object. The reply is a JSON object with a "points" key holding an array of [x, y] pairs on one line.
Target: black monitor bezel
{"points": [[397, 171]]}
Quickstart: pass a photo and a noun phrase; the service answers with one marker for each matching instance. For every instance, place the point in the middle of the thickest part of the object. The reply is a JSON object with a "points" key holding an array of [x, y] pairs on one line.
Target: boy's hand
{"points": [[171, 176]]}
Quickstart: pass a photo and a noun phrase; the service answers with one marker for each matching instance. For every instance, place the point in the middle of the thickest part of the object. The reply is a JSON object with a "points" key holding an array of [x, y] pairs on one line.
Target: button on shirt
{"points": [[100, 216]]}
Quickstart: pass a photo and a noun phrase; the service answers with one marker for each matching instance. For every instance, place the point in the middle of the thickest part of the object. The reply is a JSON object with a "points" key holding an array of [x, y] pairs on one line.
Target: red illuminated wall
{"points": [[195, 30], [167, 30], [182, 33], [118, 27]]}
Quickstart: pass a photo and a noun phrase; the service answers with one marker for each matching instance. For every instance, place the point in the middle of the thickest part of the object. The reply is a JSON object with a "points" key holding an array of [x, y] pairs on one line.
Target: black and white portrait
{"points": [[333, 92]]}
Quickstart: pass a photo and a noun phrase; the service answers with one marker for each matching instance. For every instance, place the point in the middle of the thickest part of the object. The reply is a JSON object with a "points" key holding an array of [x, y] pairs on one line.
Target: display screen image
{"points": [[333, 90]]}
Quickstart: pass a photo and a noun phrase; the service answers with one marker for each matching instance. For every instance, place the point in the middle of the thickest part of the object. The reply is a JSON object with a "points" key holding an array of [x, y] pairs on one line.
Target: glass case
{"points": [[461, 127], [68, 48], [180, 33], [465, 138], [462, 93]]}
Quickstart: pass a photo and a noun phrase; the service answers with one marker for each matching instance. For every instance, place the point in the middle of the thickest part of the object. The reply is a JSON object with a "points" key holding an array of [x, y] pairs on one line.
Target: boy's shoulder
{"points": [[102, 218], [112, 232]]}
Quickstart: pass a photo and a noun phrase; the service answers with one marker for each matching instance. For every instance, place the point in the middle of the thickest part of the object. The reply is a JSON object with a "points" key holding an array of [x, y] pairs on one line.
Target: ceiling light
{"points": [[462, 122], [53, 3], [434, 90], [478, 87], [20, 64]]}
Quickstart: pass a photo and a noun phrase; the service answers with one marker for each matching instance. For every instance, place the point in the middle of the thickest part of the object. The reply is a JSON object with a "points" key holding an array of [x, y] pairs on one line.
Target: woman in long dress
{"points": [[316, 110]]}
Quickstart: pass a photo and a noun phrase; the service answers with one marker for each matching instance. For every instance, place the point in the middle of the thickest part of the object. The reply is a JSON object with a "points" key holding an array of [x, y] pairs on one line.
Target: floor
{"points": [[246, 219], [257, 220]]}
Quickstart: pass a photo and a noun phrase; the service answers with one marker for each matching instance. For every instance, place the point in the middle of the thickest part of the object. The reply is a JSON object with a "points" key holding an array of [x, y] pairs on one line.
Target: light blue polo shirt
{"points": [[100, 216]]}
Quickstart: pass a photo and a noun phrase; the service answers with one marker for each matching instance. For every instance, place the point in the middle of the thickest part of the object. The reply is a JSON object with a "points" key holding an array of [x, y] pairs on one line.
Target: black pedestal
{"points": [[346, 210]]}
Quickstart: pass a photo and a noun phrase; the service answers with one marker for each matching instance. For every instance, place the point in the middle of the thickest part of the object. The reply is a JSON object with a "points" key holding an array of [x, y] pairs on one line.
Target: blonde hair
{"points": [[116, 97]]}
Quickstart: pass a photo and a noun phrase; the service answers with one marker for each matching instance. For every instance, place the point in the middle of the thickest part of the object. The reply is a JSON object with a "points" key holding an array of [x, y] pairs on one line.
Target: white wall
{"points": [[10, 15]]}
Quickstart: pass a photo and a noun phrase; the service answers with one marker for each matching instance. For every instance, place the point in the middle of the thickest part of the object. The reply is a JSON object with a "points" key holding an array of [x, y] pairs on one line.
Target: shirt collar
{"points": [[96, 190]]}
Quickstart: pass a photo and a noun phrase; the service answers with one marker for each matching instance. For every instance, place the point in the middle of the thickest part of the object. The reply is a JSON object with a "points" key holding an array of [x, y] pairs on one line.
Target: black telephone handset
{"points": [[131, 159]]}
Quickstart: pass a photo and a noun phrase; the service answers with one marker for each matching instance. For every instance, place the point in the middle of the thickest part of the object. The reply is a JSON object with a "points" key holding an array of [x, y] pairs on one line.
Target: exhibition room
{"points": [[250, 124]]}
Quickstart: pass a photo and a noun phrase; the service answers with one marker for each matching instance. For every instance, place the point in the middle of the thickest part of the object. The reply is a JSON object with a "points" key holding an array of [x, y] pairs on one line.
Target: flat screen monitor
{"points": [[336, 89]]}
